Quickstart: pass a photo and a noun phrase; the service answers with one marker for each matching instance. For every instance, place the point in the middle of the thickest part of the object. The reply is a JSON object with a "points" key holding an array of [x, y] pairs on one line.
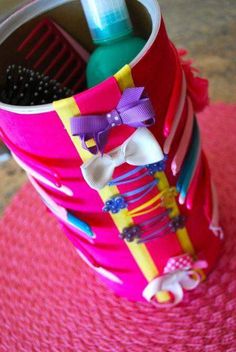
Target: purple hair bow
{"points": [[134, 109]]}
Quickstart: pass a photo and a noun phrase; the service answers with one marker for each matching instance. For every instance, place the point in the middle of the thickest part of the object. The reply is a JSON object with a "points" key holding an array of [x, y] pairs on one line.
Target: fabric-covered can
{"points": [[122, 168]]}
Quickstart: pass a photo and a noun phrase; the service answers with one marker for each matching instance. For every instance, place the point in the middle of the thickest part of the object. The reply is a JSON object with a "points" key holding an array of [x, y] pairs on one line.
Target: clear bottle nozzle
{"points": [[107, 19]]}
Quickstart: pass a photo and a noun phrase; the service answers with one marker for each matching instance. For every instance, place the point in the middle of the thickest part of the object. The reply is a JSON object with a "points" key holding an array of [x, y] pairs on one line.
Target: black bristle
{"points": [[26, 87]]}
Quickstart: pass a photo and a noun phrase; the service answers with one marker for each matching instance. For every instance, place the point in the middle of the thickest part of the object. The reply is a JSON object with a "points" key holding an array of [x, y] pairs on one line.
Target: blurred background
{"points": [[207, 29]]}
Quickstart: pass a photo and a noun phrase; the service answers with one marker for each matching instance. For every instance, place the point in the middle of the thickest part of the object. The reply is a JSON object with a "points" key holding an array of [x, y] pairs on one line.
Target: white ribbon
{"points": [[141, 148], [64, 189], [100, 270], [214, 225], [177, 118], [174, 283]]}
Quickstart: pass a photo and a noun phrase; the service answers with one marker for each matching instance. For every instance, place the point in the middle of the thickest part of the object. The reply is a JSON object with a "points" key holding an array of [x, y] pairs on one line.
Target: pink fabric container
{"points": [[42, 145]]}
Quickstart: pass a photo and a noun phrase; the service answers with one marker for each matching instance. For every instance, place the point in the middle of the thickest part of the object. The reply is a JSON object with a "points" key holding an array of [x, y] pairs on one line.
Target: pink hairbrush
{"points": [[53, 52]]}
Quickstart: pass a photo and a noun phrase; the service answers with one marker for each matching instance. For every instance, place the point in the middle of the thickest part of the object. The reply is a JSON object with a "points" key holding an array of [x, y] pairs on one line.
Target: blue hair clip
{"points": [[115, 204], [157, 167], [121, 201]]}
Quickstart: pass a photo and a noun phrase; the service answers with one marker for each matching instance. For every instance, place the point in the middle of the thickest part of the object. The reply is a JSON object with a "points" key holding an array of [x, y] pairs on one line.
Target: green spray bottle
{"points": [[111, 29]]}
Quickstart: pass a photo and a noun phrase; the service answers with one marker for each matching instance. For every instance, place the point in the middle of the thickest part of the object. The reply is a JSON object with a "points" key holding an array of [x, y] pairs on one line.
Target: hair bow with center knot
{"points": [[141, 148], [180, 274], [134, 109]]}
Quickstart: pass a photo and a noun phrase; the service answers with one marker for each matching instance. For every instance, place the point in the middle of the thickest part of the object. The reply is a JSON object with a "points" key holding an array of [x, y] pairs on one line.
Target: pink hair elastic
{"points": [[175, 97], [184, 142]]}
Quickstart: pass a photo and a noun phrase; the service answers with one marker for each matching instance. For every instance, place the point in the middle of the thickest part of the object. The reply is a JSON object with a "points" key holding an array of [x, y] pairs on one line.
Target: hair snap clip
{"points": [[172, 226], [121, 201], [135, 231], [127, 177], [166, 226]]}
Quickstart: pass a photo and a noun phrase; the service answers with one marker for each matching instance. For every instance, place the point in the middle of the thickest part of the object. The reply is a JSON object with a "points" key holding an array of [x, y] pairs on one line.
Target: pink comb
{"points": [[55, 53]]}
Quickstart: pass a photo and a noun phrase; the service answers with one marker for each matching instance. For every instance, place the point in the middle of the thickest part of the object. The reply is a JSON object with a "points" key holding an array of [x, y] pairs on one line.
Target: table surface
{"points": [[207, 29]]}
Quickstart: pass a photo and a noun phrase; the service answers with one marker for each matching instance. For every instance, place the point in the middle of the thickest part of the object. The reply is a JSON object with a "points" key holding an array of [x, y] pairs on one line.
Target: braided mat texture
{"points": [[51, 301]]}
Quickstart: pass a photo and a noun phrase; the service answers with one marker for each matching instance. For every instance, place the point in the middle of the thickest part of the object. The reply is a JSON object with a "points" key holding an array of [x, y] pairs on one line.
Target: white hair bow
{"points": [[141, 148], [175, 282]]}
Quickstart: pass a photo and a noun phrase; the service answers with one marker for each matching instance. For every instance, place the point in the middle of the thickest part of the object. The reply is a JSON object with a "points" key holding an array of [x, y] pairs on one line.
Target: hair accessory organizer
{"points": [[123, 157]]}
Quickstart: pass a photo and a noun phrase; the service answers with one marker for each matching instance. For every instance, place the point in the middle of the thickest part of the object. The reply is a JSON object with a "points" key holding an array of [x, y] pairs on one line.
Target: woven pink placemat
{"points": [[51, 301]]}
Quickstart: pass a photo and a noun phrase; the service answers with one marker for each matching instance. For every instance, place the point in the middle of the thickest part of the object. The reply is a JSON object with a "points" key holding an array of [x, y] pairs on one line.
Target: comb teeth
{"points": [[26, 87], [53, 52]]}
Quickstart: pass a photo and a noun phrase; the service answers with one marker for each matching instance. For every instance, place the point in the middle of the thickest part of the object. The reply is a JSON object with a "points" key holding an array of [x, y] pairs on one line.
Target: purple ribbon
{"points": [[134, 109]]}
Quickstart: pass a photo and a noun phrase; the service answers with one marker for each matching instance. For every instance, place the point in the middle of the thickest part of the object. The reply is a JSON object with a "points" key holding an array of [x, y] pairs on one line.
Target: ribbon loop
{"points": [[134, 109]]}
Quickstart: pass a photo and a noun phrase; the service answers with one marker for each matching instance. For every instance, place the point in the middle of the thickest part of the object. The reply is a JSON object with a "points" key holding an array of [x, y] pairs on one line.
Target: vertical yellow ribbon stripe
{"points": [[125, 80]]}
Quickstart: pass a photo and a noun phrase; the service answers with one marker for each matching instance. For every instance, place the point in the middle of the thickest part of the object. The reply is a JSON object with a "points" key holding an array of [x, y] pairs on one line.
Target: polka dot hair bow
{"points": [[134, 109]]}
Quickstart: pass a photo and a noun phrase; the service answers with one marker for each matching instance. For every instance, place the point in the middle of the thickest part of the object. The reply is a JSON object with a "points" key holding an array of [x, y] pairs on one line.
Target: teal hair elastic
{"points": [[190, 163]]}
